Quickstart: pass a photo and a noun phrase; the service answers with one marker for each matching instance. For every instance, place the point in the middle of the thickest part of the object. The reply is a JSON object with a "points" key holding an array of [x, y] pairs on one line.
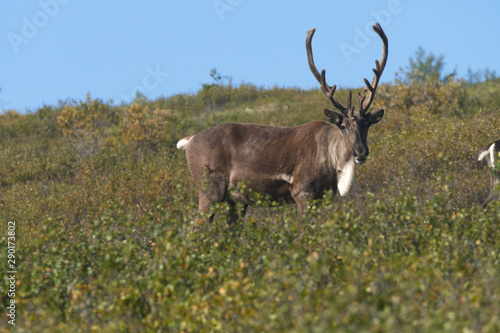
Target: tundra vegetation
{"points": [[109, 238]]}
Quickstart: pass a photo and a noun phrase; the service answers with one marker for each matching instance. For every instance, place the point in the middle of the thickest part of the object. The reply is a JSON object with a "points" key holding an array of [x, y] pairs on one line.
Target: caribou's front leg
{"points": [[301, 198], [235, 212]]}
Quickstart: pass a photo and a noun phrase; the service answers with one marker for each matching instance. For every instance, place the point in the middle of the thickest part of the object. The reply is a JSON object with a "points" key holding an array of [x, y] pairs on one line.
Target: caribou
{"points": [[492, 155], [285, 164]]}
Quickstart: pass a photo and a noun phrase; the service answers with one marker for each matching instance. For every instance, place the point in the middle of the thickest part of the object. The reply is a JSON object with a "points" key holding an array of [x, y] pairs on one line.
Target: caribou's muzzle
{"points": [[360, 159], [361, 156]]}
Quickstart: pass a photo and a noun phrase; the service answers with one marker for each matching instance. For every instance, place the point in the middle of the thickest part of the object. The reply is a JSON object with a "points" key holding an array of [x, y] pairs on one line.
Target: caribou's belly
{"points": [[269, 189]]}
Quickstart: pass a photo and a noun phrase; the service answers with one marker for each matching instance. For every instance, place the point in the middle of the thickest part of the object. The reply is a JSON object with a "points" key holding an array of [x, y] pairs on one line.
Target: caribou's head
{"points": [[353, 123]]}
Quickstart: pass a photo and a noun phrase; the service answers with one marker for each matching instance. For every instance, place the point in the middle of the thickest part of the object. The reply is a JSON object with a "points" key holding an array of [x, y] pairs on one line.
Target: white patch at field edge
{"points": [[489, 154]]}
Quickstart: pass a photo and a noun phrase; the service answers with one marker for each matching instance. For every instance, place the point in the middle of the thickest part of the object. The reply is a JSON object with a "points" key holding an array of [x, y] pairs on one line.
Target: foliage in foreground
{"points": [[108, 237]]}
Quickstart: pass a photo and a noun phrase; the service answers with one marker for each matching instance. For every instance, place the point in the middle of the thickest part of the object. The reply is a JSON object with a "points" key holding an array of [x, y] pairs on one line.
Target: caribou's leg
{"points": [[235, 213], [213, 191], [204, 205], [494, 188], [301, 198], [490, 198]]}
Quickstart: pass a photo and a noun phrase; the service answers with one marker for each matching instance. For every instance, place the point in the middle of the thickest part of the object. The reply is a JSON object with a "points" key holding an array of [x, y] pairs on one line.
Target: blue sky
{"points": [[53, 50]]}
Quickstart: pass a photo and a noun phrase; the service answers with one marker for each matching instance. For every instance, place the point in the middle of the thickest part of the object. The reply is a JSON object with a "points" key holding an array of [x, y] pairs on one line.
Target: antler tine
{"points": [[327, 90], [350, 109], [361, 99], [310, 59], [379, 68]]}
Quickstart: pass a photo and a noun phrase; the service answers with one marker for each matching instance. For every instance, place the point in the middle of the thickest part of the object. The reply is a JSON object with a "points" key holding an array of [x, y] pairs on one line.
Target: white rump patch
{"points": [[346, 178], [182, 144], [489, 154]]}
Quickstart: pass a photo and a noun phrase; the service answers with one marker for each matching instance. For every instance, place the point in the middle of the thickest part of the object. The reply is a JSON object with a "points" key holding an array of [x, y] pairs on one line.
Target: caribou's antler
{"points": [[363, 101], [327, 90], [364, 105]]}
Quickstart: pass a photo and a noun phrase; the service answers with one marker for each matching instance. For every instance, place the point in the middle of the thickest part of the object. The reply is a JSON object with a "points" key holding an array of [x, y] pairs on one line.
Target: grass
{"points": [[108, 236]]}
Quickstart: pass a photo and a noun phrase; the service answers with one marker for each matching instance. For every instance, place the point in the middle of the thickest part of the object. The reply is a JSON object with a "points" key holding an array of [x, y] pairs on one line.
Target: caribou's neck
{"points": [[342, 160]]}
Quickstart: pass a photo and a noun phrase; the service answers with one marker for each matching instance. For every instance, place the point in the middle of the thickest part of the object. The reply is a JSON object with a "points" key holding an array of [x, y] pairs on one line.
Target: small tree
{"points": [[424, 85], [219, 80], [216, 94], [426, 68]]}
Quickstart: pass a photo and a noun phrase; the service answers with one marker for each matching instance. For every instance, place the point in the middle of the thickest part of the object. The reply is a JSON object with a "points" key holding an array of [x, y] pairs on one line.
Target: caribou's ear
{"points": [[334, 117], [374, 116]]}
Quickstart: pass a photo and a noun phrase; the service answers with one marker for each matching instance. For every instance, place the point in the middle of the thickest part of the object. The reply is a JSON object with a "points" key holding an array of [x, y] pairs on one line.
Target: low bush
{"points": [[109, 239]]}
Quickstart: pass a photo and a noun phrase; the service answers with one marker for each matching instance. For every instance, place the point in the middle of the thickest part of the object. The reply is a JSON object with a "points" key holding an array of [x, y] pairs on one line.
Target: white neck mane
{"points": [[345, 177]]}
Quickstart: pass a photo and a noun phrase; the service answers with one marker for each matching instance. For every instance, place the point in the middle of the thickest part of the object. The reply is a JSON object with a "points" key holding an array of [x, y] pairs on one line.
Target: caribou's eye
{"points": [[344, 129]]}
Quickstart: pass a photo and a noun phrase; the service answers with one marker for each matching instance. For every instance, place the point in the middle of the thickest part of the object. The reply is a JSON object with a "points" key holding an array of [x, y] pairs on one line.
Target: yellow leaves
{"points": [[313, 257], [146, 126], [94, 125], [9, 117], [86, 117], [75, 294]]}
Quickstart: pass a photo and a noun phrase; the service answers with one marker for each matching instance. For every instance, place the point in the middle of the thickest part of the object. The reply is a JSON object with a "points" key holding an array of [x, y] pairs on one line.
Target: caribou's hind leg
{"points": [[494, 191], [214, 190]]}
